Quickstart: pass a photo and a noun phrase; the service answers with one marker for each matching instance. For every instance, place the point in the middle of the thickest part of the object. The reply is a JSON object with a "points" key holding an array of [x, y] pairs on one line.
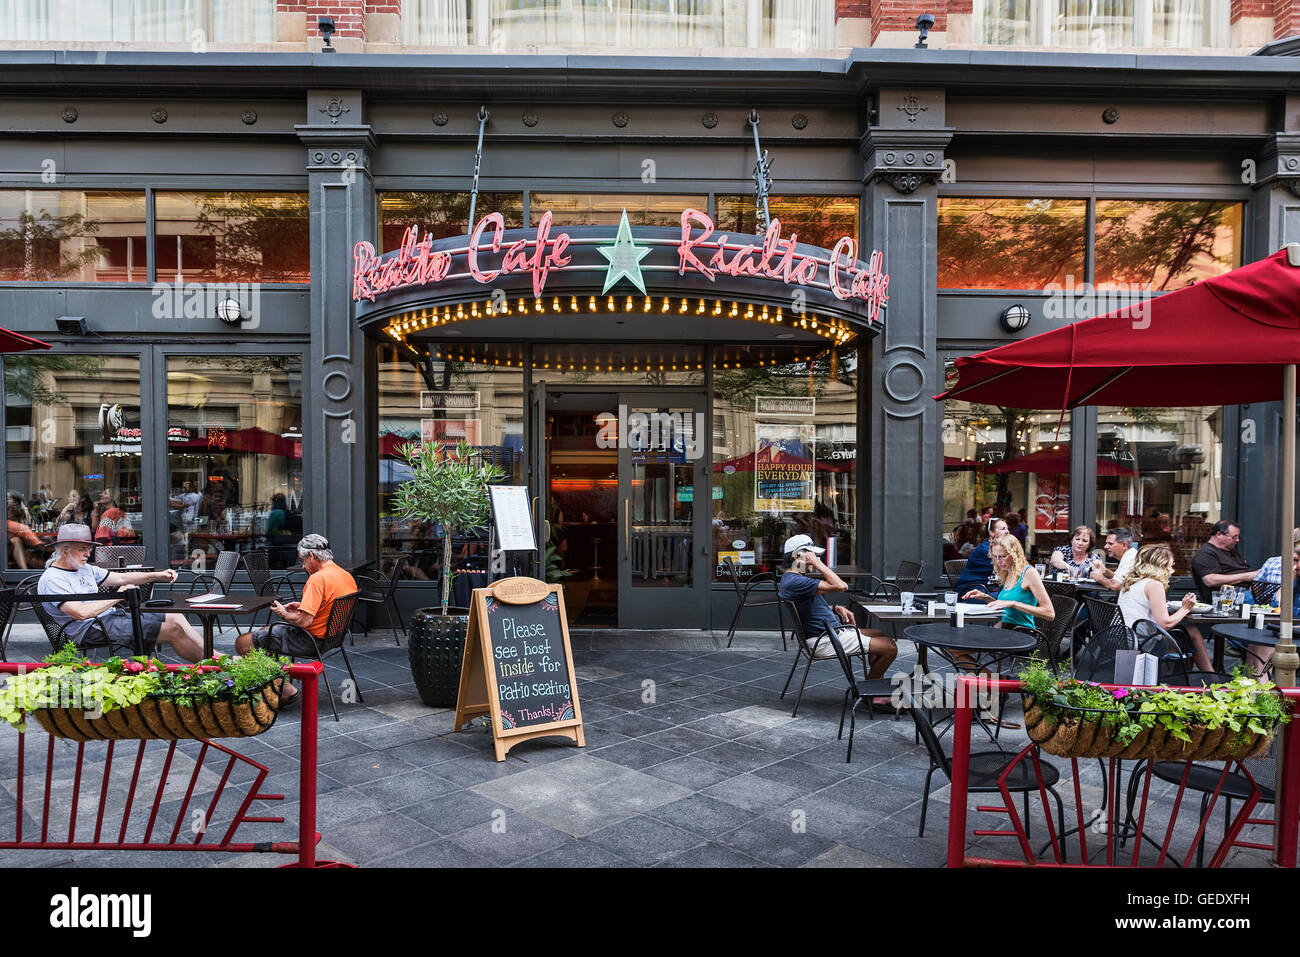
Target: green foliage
{"points": [[1244, 704], [72, 682], [448, 487], [553, 570], [30, 378]]}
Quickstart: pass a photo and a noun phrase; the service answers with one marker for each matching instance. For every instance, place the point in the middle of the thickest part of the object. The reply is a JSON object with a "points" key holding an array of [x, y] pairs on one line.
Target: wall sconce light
{"points": [[72, 325], [326, 27], [924, 23], [230, 311], [1014, 318]]}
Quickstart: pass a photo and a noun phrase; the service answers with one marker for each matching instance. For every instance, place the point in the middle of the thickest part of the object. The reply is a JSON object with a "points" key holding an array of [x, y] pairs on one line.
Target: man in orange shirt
{"points": [[305, 619]]}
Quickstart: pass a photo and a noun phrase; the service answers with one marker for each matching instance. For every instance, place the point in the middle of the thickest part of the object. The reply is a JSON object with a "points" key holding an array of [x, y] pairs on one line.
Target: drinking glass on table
{"points": [[950, 601], [1041, 569], [906, 601], [1225, 598]]}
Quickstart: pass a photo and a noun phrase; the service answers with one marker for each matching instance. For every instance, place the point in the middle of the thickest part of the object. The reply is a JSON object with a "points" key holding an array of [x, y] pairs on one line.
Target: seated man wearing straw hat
{"points": [[70, 574]]}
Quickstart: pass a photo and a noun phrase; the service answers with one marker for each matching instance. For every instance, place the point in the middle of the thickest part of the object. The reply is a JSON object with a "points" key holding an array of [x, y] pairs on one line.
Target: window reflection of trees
{"points": [[1010, 243], [1166, 244]]}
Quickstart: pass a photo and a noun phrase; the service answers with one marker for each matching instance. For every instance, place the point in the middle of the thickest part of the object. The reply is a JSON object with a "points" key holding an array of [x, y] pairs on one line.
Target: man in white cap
{"points": [[90, 623], [799, 586]]}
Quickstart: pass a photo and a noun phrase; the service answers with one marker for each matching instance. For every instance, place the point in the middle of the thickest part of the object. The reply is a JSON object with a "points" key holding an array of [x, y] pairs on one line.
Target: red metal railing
{"points": [[135, 809], [1286, 808]]}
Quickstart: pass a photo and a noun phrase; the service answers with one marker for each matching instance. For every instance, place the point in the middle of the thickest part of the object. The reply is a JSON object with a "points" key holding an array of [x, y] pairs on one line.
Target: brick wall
{"points": [[852, 9], [1286, 18], [384, 6], [349, 15]]}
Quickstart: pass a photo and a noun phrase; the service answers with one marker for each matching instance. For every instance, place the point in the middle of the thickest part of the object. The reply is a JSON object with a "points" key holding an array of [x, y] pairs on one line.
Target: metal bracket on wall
{"points": [[483, 115]]}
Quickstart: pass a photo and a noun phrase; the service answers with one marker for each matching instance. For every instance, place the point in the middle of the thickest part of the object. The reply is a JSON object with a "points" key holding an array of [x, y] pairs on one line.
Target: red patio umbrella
{"points": [[771, 455], [1228, 340], [953, 464], [17, 342], [1055, 462]]}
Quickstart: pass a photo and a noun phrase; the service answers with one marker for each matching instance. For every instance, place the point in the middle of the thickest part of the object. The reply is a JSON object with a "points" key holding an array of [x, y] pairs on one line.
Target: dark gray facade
{"points": [[899, 128]]}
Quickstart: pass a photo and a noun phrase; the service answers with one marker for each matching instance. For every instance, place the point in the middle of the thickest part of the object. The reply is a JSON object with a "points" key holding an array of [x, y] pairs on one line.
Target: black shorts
{"points": [[121, 637], [283, 638]]}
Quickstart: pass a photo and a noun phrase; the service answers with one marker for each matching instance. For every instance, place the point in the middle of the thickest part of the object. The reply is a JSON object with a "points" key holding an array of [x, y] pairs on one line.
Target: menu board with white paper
{"points": [[514, 519]]}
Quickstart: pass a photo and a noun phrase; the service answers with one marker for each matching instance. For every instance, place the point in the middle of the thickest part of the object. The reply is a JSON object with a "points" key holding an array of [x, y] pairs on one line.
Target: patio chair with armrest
{"points": [[11, 613], [908, 575], [953, 569], [220, 579], [92, 640], [803, 648], [985, 769], [257, 566], [746, 599], [1052, 634], [1173, 649], [337, 627], [117, 556]]}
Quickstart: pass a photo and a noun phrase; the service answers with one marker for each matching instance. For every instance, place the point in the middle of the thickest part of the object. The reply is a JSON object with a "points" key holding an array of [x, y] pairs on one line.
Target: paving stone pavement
{"points": [[692, 760]]}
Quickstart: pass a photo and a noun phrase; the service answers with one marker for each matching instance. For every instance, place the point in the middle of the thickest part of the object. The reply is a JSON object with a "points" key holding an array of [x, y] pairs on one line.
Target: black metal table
{"points": [[986, 645], [1240, 631], [248, 605]]}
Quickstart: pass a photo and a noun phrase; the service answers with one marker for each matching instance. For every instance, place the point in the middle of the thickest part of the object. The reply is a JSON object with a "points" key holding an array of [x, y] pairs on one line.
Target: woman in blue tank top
{"points": [[1023, 599]]}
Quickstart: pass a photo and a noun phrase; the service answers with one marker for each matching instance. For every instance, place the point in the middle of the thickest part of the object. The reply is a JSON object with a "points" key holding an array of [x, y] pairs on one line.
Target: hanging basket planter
{"points": [[163, 718]]}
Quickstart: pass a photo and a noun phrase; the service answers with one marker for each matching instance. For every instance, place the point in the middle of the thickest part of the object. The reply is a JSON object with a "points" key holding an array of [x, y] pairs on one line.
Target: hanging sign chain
{"points": [[762, 178], [483, 115]]}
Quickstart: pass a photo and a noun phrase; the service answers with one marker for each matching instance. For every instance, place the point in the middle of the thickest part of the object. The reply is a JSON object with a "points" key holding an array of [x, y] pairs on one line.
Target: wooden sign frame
{"points": [[479, 694]]}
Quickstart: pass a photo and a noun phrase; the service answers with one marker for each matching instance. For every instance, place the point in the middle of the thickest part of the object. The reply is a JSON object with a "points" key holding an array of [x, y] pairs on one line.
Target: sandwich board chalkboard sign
{"points": [[518, 666]]}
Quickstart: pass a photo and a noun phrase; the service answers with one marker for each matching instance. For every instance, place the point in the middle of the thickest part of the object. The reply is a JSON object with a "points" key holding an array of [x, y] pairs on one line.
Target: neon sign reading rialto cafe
{"points": [[699, 251]]}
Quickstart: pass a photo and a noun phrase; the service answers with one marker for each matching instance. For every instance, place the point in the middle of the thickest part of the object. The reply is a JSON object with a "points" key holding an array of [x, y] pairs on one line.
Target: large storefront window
{"points": [[818, 220], [73, 451], [784, 458], [141, 21], [599, 209], [449, 400], [1166, 244], [234, 456], [1010, 243], [72, 235], [1005, 22], [441, 214], [1160, 472], [232, 237], [998, 461]]}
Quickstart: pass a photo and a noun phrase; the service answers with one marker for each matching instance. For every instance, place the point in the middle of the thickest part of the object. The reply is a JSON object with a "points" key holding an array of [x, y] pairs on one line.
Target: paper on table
{"points": [[977, 608], [885, 609], [204, 599], [218, 604]]}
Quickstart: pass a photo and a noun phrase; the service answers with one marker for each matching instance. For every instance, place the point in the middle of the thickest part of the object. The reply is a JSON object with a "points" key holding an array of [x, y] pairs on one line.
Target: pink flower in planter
{"points": [[1120, 693]]}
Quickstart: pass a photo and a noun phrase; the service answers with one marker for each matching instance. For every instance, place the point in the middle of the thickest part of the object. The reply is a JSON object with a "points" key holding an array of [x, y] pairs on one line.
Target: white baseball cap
{"points": [[796, 542]]}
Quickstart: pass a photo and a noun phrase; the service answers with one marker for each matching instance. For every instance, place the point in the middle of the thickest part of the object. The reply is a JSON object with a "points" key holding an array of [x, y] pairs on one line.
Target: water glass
{"points": [[950, 600], [906, 599], [1041, 569], [1225, 598]]}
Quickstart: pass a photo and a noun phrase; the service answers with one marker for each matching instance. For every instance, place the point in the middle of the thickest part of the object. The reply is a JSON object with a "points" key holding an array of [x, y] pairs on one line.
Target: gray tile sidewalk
{"points": [[691, 760]]}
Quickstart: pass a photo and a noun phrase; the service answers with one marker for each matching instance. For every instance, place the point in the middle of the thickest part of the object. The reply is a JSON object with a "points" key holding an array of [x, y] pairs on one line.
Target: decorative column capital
{"points": [[1276, 164], [903, 158]]}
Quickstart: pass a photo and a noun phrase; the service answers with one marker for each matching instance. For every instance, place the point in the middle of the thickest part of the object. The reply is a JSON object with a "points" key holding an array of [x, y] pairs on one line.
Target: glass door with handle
{"points": [[663, 484]]}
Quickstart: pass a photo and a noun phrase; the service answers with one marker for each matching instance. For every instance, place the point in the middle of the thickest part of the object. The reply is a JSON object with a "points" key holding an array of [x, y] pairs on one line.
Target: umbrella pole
{"points": [[1285, 659]]}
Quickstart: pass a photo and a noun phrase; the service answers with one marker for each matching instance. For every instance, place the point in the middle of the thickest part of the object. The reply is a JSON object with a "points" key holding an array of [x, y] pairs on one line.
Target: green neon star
{"points": [[624, 258]]}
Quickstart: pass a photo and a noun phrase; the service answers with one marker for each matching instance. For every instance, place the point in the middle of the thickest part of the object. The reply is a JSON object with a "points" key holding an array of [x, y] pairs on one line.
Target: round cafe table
{"points": [[986, 646], [1241, 633]]}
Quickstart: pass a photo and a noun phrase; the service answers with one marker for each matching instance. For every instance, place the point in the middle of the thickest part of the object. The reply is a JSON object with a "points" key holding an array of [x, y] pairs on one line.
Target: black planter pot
{"points": [[435, 649]]}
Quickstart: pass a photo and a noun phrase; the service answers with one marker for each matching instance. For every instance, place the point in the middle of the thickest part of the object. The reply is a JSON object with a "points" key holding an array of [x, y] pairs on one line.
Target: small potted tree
{"points": [[448, 487]]}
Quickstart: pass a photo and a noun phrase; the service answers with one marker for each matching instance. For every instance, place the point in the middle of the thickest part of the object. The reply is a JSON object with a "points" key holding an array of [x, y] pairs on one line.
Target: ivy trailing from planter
{"points": [[1072, 718]]}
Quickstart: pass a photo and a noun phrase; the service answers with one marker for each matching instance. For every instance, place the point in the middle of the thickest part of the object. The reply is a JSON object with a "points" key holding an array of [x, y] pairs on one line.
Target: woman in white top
{"points": [[1142, 596]]}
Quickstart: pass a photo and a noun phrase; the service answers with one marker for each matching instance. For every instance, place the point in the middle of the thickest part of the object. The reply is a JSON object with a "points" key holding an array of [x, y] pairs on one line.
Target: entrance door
{"points": [[663, 500]]}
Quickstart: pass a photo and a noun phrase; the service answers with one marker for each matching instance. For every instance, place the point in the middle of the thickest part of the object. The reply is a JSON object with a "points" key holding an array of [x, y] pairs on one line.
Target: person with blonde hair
{"points": [[1022, 599], [1142, 596]]}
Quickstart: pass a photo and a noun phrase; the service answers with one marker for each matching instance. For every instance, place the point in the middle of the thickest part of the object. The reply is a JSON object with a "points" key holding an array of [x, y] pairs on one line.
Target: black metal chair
{"points": [[337, 627], [803, 648], [221, 578], [256, 565], [384, 594], [117, 556], [1172, 648], [1060, 588], [11, 614], [985, 769], [953, 569], [1096, 662], [93, 639], [1051, 635], [857, 692], [909, 575], [1264, 593], [745, 600]]}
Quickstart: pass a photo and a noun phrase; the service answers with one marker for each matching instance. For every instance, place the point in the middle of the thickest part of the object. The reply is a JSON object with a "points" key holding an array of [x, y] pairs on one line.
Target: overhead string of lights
{"points": [[400, 327]]}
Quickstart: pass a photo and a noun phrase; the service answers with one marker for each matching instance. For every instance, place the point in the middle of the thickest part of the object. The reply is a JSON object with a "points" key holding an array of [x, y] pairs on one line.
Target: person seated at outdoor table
{"points": [[1022, 599], [1271, 570], [307, 619], [78, 509], [20, 536], [1218, 563], [69, 573], [1142, 595], [798, 585], [979, 566], [1120, 546], [1075, 556], [1017, 528]]}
